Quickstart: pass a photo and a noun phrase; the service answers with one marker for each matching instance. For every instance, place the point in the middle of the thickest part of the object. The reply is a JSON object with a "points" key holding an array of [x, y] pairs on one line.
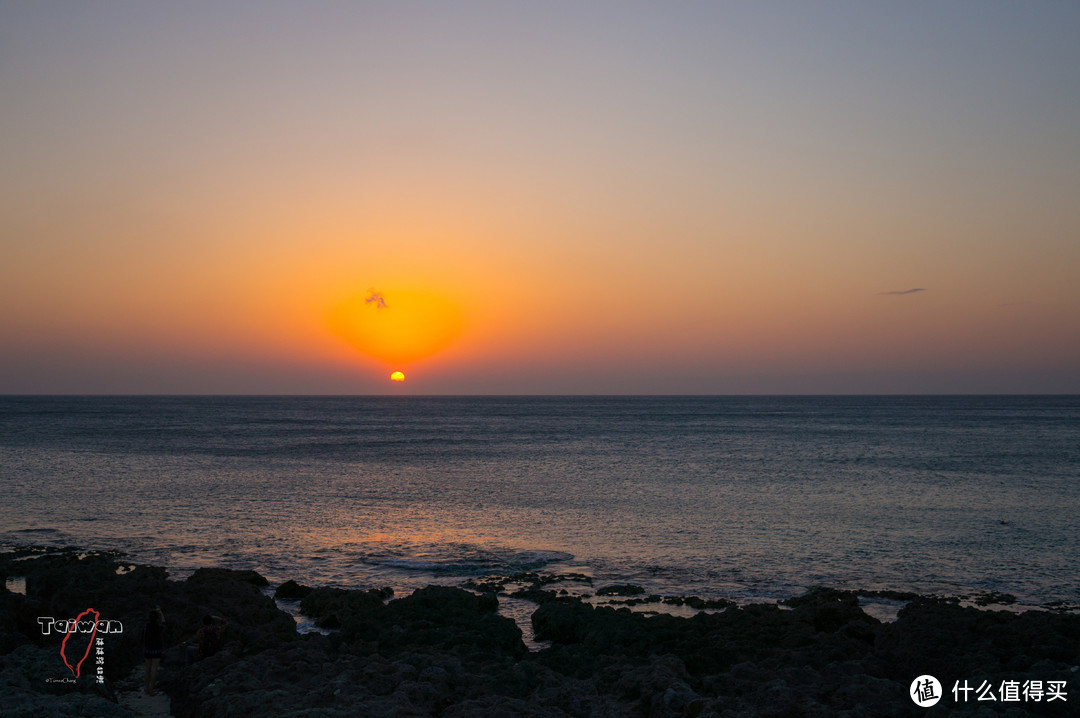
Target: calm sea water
{"points": [[745, 497]]}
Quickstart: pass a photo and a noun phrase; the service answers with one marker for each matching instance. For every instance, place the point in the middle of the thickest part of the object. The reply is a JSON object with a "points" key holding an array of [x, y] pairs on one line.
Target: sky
{"points": [[540, 198]]}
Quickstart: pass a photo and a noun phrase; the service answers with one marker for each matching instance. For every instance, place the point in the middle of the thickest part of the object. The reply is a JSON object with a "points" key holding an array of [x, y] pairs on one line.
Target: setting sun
{"points": [[397, 376]]}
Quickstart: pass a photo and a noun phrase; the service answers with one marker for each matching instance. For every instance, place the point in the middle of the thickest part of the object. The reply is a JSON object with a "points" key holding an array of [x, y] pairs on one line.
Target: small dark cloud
{"points": [[378, 299], [904, 291]]}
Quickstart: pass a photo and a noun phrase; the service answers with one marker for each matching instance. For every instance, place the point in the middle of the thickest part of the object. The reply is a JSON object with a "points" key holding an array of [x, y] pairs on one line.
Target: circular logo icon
{"points": [[925, 691]]}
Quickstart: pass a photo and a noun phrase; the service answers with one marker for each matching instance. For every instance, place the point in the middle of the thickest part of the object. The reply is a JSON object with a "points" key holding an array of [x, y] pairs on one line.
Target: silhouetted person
{"points": [[153, 640], [208, 637]]}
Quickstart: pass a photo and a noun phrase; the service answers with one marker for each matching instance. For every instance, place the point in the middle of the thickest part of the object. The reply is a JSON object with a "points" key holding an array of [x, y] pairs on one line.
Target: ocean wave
{"points": [[465, 560]]}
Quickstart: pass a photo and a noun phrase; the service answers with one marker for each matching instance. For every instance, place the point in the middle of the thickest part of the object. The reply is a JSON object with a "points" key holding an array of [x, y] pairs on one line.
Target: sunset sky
{"points": [[547, 197]]}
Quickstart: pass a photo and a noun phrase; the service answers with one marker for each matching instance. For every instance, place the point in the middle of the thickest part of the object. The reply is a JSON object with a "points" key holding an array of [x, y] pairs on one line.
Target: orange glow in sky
{"points": [[396, 327], [696, 198]]}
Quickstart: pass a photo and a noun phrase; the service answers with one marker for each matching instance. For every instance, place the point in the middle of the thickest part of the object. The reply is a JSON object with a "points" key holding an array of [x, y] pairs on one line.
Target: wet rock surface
{"points": [[292, 590], [447, 652]]}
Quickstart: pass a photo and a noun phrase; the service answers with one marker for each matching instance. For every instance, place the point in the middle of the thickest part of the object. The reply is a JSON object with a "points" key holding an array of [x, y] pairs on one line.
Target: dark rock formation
{"points": [[446, 651], [291, 590]]}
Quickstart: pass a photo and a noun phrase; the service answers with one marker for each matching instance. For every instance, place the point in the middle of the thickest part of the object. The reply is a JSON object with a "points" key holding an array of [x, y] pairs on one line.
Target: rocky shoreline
{"points": [[447, 652]]}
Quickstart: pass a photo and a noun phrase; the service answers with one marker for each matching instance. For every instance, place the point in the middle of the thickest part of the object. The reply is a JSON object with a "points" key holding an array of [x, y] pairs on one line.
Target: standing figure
{"points": [[153, 640]]}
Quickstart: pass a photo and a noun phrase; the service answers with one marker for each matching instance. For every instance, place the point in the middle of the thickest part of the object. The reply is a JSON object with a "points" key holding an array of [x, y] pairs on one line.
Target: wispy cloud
{"points": [[377, 298], [904, 291]]}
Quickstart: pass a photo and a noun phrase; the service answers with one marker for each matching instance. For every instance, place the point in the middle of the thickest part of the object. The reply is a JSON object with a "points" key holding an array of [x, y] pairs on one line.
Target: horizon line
{"points": [[530, 396]]}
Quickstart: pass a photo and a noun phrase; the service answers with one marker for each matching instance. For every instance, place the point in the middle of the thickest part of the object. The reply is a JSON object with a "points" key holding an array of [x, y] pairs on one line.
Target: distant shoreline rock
{"points": [[446, 651]]}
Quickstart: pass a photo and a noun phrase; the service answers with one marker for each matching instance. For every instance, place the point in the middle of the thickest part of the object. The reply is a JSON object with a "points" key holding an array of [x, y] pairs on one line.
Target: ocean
{"points": [[750, 498]]}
